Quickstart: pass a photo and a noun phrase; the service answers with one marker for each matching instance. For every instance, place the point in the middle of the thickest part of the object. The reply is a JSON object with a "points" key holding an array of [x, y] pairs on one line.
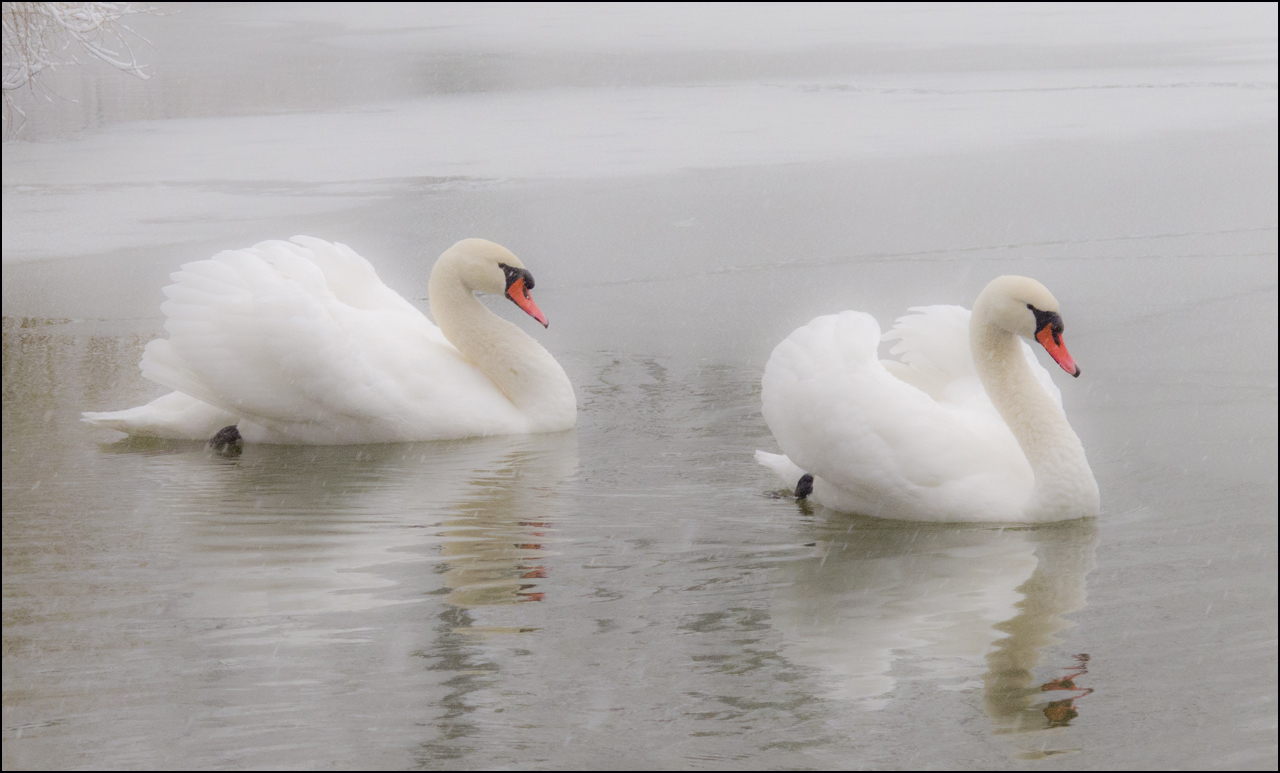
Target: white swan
{"points": [[300, 342], [966, 427]]}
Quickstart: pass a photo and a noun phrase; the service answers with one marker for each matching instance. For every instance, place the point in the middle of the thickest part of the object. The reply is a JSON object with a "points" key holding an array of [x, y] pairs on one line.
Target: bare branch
{"points": [[43, 36]]}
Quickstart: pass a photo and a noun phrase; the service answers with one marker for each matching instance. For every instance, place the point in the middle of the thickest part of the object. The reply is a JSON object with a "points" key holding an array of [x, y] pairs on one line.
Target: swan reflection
{"points": [[297, 530], [495, 546], [961, 606], [497, 536], [1012, 697]]}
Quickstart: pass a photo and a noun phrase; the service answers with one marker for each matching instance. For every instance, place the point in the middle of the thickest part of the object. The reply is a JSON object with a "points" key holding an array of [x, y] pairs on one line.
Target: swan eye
{"points": [[1048, 321], [516, 273]]}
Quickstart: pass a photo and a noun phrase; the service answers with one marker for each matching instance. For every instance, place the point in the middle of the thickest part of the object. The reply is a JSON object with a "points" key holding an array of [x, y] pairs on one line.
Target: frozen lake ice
{"points": [[688, 185]]}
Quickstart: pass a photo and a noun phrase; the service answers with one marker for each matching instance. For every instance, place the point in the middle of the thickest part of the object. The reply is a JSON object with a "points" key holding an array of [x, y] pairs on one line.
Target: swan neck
{"points": [[519, 366], [1056, 456]]}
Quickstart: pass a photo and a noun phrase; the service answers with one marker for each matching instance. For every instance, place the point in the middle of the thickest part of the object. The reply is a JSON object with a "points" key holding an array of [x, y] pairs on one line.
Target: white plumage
{"points": [[921, 438], [301, 342]]}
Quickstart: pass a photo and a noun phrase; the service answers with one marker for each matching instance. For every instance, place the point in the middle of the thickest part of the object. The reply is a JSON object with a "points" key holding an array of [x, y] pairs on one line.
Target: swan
{"points": [[967, 426], [301, 342]]}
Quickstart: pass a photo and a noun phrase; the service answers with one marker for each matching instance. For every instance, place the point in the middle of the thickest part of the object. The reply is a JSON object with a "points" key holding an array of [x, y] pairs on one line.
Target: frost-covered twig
{"points": [[39, 36]]}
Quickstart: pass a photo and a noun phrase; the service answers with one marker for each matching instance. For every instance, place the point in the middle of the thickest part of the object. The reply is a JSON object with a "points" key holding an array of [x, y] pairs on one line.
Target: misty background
{"points": [[688, 184]]}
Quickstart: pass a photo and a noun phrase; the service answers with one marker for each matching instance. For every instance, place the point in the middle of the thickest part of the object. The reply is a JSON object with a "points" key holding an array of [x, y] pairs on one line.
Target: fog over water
{"points": [[688, 184]]}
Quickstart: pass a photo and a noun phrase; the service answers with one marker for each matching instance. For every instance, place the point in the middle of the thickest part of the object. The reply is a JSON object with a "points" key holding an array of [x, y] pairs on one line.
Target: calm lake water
{"points": [[634, 593]]}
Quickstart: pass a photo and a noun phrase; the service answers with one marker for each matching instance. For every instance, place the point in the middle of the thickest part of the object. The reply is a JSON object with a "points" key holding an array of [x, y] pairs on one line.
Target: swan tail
{"points": [[786, 470], [175, 416]]}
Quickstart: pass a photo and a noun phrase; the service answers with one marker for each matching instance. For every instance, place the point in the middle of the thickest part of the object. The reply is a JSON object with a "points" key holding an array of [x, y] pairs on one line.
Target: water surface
{"points": [[634, 592]]}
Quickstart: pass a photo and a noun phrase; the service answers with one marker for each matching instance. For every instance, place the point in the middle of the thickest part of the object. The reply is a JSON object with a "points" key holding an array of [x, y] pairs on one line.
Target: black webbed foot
{"points": [[804, 487], [227, 442]]}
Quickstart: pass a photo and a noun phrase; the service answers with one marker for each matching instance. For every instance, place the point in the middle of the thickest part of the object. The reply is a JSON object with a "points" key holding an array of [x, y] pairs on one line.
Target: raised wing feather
{"points": [[892, 448], [933, 352], [305, 342]]}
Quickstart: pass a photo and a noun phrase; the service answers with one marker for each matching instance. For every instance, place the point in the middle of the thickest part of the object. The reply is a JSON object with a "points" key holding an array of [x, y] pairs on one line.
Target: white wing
{"points": [[303, 342], [934, 353], [922, 442]]}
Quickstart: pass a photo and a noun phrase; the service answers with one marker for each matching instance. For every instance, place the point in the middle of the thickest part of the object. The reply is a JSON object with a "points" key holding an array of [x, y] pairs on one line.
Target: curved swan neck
{"points": [[1031, 414], [512, 359], [1056, 456]]}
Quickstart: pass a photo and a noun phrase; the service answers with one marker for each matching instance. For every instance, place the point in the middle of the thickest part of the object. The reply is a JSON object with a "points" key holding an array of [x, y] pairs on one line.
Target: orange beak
{"points": [[1052, 343], [517, 292]]}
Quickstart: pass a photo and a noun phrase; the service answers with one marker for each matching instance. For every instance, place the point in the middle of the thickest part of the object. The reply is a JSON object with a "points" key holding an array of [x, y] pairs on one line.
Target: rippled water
{"points": [[624, 591], [628, 591], [634, 592]]}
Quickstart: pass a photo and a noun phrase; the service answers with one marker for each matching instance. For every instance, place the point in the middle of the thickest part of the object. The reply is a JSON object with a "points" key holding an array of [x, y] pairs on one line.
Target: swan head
{"points": [[487, 267], [1025, 307]]}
